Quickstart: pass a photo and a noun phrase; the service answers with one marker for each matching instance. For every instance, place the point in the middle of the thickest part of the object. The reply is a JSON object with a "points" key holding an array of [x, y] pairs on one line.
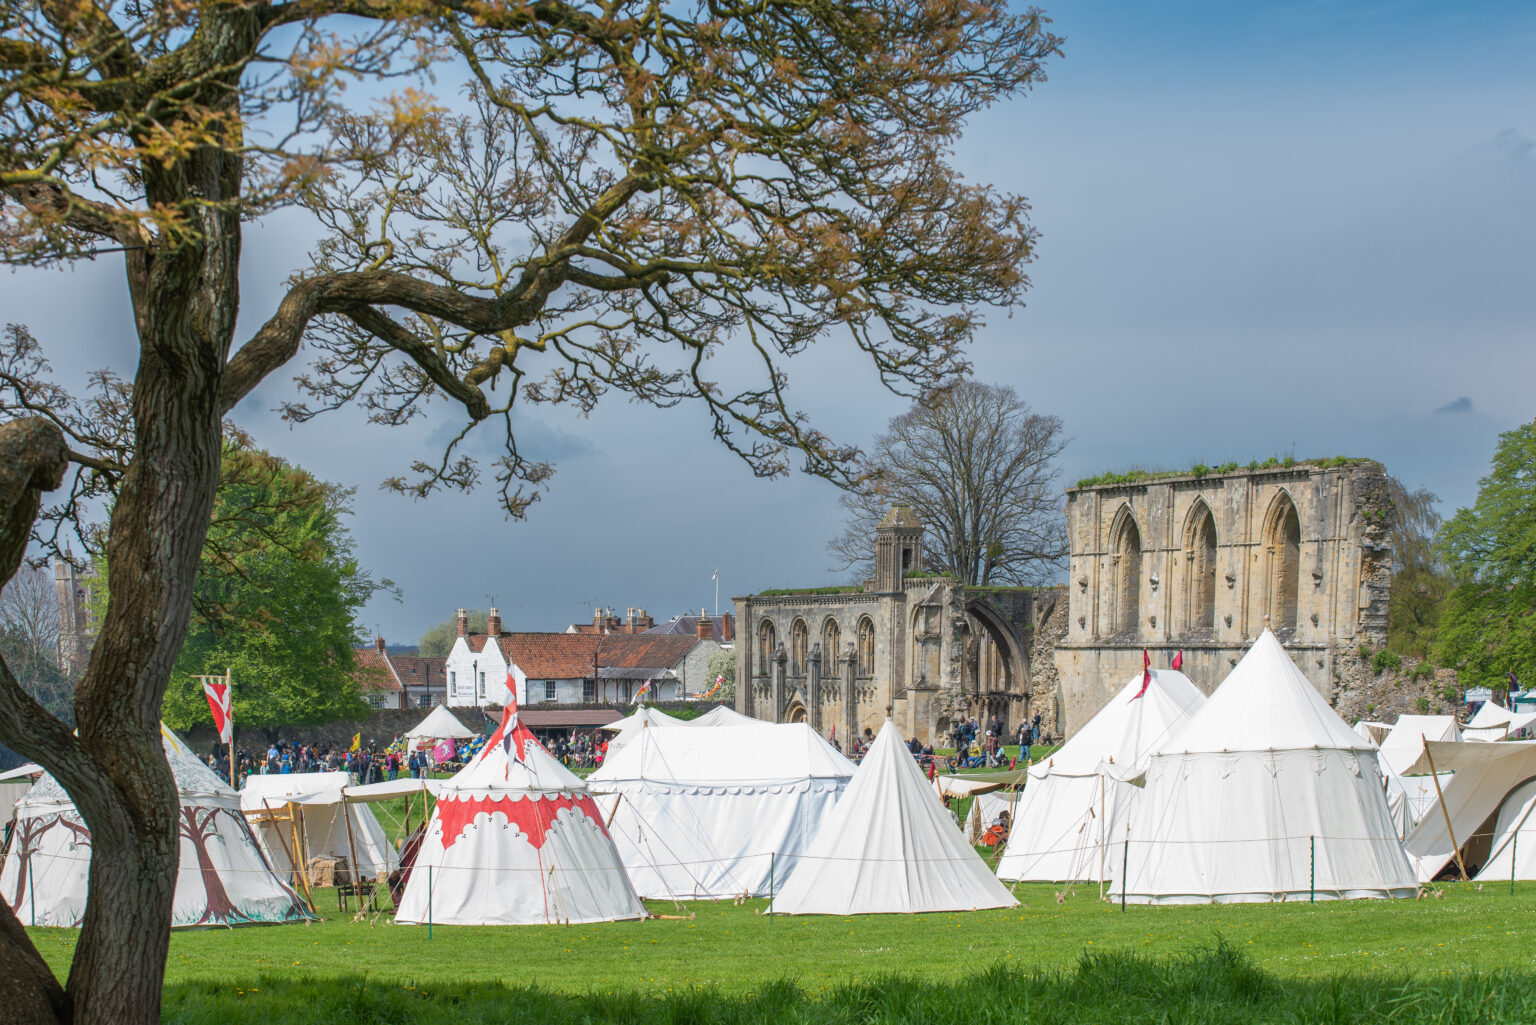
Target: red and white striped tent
{"points": [[516, 839]]}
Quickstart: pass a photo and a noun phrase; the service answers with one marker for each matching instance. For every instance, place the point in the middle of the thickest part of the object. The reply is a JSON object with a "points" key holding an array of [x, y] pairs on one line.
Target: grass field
{"points": [[1400, 950]]}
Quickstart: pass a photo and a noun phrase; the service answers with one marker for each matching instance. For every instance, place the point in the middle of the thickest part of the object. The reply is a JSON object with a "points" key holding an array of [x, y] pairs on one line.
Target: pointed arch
{"points": [[1199, 568], [866, 646], [831, 643], [799, 647], [1282, 562], [1125, 572], [767, 641]]}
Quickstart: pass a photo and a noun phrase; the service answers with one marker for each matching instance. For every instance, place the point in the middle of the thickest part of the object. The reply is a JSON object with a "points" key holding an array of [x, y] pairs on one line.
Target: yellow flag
{"points": [[357, 741]]}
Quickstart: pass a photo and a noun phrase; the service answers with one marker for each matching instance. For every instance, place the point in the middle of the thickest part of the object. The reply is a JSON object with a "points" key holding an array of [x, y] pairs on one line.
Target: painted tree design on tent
{"points": [[298, 909], [198, 826], [27, 839]]}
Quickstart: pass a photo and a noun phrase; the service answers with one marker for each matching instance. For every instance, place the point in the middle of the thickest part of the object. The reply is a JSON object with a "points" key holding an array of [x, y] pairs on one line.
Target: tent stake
{"points": [[1440, 794]]}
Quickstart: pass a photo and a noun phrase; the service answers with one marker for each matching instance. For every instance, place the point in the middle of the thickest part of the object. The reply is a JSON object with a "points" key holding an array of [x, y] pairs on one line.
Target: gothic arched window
{"points": [[767, 640], [1126, 549], [1200, 569], [799, 645], [1282, 550], [866, 647]]}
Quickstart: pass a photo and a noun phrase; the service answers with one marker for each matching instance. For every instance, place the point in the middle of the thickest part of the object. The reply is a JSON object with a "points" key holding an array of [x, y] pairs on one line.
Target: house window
{"points": [[453, 683], [482, 685], [589, 691], [549, 690], [376, 699]]}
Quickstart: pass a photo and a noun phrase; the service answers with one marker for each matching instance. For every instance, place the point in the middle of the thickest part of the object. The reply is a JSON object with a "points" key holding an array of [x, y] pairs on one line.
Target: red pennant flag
{"points": [[1146, 674], [511, 693], [1178, 660], [217, 693]]}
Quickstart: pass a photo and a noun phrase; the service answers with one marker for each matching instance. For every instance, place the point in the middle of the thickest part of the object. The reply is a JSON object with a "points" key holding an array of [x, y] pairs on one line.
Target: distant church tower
{"points": [[75, 629], [898, 547]]}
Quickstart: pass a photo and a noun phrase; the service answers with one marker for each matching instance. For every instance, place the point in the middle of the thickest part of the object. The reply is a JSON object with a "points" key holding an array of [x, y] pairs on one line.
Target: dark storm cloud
{"points": [[1461, 405]]}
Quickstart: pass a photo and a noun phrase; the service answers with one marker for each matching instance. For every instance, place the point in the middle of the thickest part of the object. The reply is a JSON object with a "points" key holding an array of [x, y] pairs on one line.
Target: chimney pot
{"points": [[378, 643], [706, 629], [462, 618], [493, 622]]}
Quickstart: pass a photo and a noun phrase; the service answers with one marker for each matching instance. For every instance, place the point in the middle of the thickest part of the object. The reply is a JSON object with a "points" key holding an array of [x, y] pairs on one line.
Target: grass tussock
{"points": [[1215, 985]]}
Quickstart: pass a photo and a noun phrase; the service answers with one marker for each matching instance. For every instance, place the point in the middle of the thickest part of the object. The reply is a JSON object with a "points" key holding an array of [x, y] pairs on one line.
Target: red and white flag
{"points": [[216, 690], [1178, 660]]}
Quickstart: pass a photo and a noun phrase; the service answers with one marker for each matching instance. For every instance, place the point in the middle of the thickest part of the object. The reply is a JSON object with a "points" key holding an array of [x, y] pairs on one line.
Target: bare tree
{"points": [[980, 469], [630, 188], [29, 614]]}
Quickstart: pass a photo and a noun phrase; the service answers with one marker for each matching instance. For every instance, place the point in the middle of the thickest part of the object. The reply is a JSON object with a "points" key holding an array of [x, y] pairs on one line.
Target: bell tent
{"points": [[440, 724], [1264, 795], [718, 812], [223, 879], [1073, 800], [516, 839], [889, 847]]}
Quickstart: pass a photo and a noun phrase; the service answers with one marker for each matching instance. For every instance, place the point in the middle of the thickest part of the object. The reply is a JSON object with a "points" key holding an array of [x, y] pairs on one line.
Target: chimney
{"points": [[706, 629], [463, 620], [727, 627], [629, 620], [643, 622], [378, 644], [493, 623]]}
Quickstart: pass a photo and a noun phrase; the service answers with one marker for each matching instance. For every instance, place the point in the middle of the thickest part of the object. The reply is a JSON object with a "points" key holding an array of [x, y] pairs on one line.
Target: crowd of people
{"points": [[368, 764]]}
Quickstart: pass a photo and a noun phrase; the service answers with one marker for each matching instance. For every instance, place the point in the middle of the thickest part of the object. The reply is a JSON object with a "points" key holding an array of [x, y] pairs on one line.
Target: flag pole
{"points": [[228, 674]]}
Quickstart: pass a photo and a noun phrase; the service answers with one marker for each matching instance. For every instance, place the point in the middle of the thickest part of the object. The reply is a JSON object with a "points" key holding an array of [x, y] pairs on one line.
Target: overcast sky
{"points": [[1268, 228]]}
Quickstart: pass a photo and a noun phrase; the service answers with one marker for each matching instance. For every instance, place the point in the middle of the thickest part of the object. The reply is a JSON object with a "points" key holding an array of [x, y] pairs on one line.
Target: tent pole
{"points": [[1125, 868], [1514, 849], [357, 876], [300, 844], [1441, 795], [1103, 833]]}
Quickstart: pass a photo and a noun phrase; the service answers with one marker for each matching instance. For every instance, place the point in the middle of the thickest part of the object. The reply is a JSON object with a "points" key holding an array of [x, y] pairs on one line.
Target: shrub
{"points": [[1422, 704], [1423, 671], [1365, 652], [1384, 660]]}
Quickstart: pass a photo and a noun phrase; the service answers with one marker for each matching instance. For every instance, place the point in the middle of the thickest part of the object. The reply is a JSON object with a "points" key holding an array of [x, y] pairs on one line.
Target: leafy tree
{"points": [[276, 599], [723, 663], [438, 640], [1420, 581], [1488, 629], [627, 190], [979, 466]]}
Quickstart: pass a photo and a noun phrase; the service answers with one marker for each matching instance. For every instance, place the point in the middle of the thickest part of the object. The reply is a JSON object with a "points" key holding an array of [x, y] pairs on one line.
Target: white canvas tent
{"points": [[718, 813], [1483, 777], [516, 839], [223, 879], [1412, 797], [724, 716], [1067, 813], [440, 724], [320, 823], [1512, 854], [1495, 722], [1264, 795], [889, 847]]}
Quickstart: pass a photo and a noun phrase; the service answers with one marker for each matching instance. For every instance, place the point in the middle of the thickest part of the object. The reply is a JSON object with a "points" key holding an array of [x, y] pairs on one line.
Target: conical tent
{"points": [[723, 716], [889, 847], [1066, 814], [718, 812], [516, 839], [440, 724], [1264, 795], [223, 879]]}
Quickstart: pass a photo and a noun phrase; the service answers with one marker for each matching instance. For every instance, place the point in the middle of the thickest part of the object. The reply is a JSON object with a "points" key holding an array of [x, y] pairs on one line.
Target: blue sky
{"points": [[1267, 228]]}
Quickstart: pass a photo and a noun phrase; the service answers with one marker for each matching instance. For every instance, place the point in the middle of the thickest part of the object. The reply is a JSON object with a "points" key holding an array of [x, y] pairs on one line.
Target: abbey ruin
{"points": [[1198, 562]]}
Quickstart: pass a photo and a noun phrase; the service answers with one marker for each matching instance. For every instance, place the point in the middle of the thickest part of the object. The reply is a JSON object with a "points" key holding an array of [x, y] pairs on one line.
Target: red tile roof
{"points": [[373, 671], [551, 718], [562, 656]]}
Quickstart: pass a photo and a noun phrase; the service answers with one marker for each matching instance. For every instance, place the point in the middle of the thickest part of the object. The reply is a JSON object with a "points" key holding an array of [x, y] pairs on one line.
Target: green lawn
{"points": [[739, 949]]}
